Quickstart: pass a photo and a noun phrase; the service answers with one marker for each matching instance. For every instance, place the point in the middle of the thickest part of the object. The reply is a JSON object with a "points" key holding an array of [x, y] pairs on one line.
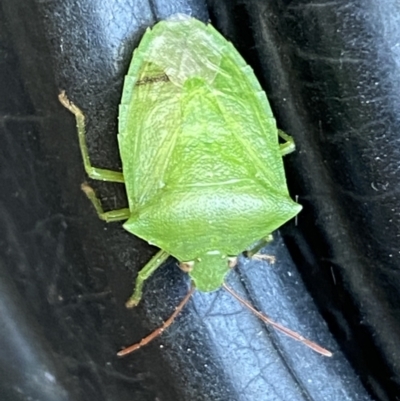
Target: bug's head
{"points": [[208, 271]]}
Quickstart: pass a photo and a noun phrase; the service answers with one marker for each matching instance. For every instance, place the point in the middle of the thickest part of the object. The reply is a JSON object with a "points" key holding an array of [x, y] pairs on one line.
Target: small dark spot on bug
{"points": [[151, 80]]}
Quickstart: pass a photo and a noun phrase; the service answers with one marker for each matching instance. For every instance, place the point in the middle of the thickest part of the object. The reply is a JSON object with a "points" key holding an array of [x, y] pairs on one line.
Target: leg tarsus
{"points": [[261, 256], [155, 262], [258, 245], [232, 261], [287, 147], [112, 215], [93, 172]]}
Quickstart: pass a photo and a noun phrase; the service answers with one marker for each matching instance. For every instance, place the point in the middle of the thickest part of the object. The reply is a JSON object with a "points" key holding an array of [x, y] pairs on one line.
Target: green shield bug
{"points": [[202, 163]]}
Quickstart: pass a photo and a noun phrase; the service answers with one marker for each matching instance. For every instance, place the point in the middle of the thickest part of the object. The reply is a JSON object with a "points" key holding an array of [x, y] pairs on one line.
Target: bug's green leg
{"points": [[112, 215], [93, 172], [155, 262], [253, 252], [287, 147]]}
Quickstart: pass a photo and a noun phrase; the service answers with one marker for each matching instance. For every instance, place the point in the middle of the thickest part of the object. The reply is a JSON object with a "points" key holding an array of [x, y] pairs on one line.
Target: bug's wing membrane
{"points": [[147, 131], [249, 119], [240, 95]]}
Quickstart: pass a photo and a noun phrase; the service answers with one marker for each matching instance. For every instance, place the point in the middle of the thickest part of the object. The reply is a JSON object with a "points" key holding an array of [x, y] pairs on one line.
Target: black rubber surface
{"points": [[330, 70]]}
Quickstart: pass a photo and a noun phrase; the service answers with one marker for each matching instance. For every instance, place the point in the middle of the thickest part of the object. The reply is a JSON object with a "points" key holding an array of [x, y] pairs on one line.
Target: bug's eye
{"points": [[187, 267], [232, 261]]}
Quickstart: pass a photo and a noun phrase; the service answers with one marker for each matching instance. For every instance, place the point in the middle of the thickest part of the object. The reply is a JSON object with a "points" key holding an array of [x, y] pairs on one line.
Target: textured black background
{"points": [[330, 70]]}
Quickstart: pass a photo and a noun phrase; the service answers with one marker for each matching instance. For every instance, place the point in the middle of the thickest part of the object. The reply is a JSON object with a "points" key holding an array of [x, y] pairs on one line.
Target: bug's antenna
{"points": [[296, 336], [157, 332]]}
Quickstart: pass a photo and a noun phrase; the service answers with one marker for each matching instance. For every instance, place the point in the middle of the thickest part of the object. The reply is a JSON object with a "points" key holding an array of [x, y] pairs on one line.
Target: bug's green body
{"points": [[201, 160], [199, 147], [202, 163]]}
